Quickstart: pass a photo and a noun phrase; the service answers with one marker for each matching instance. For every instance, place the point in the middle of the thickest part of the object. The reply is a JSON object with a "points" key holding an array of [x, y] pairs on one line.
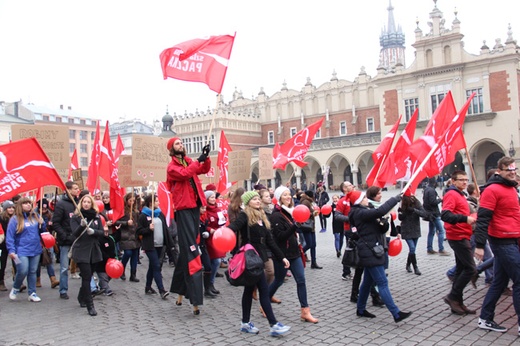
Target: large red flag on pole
{"points": [[24, 166], [93, 169], [164, 196], [222, 162], [380, 154], [120, 149], [202, 60], [294, 149], [73, 164], [106, 156]]}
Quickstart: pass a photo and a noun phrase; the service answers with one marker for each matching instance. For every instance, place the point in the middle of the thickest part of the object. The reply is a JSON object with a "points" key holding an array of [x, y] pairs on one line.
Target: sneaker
{"points": [[164, 294], [64, 296], [278, 329], [13, 294], [150, 290], [34, 298], [323, 230], [75, 276], [248, 327], [346, 277], [108, 293], [432, 252], [444, 253], [490, 325]]}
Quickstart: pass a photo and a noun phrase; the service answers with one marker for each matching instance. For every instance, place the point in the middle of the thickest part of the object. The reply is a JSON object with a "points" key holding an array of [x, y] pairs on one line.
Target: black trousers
{"points": [[84, 294], [465, 267]]}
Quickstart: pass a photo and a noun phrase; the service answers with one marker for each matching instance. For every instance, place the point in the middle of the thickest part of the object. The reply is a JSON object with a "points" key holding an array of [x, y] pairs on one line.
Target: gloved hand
{"points": [[205, 235], [83, 222], [202, 158], [399, 197], [90, 231], [206, 149]]}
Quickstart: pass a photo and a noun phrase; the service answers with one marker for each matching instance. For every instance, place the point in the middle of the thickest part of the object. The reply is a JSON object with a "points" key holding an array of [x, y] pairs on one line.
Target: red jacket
{"points": [[502, 200], [455, 212], [178, 178], [343, 207]]}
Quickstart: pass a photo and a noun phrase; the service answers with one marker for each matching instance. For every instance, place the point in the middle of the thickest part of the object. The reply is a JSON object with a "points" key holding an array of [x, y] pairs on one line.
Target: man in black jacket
{"points": [[431, 202], [61, 222]]}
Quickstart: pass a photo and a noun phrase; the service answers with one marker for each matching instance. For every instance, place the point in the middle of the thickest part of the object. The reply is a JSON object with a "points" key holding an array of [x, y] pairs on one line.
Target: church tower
{"points": [[392, 44]]}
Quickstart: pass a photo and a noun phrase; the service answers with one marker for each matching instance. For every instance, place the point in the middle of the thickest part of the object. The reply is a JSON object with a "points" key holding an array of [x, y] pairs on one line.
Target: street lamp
{"points": [[512, 150]]}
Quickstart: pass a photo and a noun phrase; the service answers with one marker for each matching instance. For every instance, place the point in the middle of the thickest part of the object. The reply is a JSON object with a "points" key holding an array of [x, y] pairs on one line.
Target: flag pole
{"points": [[418, 170], [473, 175]]}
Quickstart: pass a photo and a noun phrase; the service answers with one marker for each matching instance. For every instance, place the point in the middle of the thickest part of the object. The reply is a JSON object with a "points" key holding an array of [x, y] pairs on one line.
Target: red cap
{"points": [[211, 187], [172, 140], [356, 197]]}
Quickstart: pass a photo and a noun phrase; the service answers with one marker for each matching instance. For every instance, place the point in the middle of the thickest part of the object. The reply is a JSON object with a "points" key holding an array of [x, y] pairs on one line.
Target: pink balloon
{"points": [[301, 213], [394, 247]]}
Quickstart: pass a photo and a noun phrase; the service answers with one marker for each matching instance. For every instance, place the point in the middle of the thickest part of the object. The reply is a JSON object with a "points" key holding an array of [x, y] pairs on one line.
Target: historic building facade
{"points": [[358, 112]]}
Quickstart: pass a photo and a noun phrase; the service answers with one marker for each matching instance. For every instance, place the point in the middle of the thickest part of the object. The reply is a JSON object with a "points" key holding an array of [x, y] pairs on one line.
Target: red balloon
{"points": [[326, 209], [301, 213], [394, 247], [274, 200], [393, 215], [317, 209], [110, 214], [224, 239], [100, 205], [114, 268], [48, 240]]}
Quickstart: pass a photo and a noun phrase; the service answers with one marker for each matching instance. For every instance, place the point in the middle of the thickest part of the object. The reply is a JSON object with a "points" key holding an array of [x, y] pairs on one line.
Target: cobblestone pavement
{"points": [[131, 316]]}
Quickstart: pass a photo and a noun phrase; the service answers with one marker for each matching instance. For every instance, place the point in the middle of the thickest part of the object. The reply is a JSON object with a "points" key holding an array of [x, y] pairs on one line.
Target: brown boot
{"points": [[54, 282], [307, 317], [455, 306], [38, 282], [2, 286]]}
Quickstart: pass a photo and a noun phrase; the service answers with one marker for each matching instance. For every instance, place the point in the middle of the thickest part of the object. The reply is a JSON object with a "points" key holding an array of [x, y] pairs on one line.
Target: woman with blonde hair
{"points": [[87, 227], [24, 247]]}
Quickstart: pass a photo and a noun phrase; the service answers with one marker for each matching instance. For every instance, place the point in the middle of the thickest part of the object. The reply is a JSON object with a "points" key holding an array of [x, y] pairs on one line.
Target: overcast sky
{"points": [[101, 57]]}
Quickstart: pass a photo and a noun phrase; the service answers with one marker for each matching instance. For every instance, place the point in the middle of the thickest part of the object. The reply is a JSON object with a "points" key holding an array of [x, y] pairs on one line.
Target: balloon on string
{"points": [[393, 215], [274, 200], [224, 239], [326, 209], [114, 268], [301, 213], [110, 214], [48, 240], [100, 205], [394, 247]]}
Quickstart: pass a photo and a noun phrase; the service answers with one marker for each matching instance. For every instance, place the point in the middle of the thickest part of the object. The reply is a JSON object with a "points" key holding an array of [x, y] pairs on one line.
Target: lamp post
{"points": [[512, 150]]}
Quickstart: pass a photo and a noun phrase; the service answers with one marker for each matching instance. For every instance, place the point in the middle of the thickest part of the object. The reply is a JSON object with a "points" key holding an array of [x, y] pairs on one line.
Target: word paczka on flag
{"points": [[296, 147], [24, 166], [203, 60]]}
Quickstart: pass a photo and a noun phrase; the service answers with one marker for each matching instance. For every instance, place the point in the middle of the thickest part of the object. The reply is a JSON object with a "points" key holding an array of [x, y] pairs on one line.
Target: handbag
{"points": [[307, 226], [246, 267], [351, 255], [46, 257]]}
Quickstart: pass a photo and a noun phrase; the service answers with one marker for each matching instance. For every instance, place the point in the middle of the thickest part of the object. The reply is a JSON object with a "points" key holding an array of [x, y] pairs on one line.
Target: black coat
{"points": [[284, 233], [370, 232], [86, 248], [61, 221], [431, 201], [143, 229], [128, 239], [411, 221]]}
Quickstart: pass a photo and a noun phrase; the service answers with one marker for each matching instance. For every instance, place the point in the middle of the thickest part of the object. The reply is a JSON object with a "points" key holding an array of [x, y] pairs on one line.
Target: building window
{"points": [[370, 125], [83, 162], [83, 148], [211, 142], [270, 137], [82, 122], [82, 134], [45, 118], [92, 135], [72, 147], [477, 103], [72, 134], [71, 120], [437, 93], [187, 145], [197, 144], [318, 134], [58, 119], [342, 128], [410, 105], [292, 131]]}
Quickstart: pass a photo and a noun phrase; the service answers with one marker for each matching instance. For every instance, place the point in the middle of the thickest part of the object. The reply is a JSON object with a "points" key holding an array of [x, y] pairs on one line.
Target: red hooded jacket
{"points": [[178, 179]]}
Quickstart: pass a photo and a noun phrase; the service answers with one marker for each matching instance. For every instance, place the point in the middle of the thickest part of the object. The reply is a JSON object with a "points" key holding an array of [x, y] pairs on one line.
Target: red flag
{"points": [[441, 118], [441, 150], [93, 169], [24, 166], [73, 164], [202, 60], [120, 150], [106, 156], [296, 147], [222, 163], [164, 196], [380, 154]]}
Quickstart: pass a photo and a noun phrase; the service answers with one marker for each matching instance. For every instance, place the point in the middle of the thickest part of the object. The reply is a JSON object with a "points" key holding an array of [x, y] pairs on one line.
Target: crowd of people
{"points": [[482, 223]]}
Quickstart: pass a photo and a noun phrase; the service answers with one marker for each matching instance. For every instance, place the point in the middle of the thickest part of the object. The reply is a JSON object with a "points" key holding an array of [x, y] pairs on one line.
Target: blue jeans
{"points": [[376, 275], [133, 256], [27, 267], [434, 225], [215, 264], [485, 266], [64, 268], [298, 273], [412, 245], [154, 268], [338, 240], [310, 243], [507, 266]]}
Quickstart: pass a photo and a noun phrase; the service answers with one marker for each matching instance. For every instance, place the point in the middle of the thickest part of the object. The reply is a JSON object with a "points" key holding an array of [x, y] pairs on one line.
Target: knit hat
{"points": [[211, 187], [247, 196], [7, 204], [172, 140], [310, 193], [259, 187], [279, 191], [356, 197], [208, 194]]}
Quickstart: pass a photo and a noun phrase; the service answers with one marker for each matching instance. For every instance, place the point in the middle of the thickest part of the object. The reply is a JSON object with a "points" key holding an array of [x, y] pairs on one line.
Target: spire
{"points": [[392, 42]]}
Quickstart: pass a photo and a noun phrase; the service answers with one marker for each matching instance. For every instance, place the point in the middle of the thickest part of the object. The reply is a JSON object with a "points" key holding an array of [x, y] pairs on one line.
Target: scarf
{"points": [[89, 214], [148, 212]]}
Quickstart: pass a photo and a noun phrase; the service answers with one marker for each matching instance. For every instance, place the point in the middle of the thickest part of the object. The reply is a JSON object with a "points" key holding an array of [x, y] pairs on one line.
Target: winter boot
{"points": [[54, 282], [376, 298], [90, 308], [207, 286], [409, 263], [38, 282], [133, 277], [314, 265], [414, 264], [306, 316]]}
